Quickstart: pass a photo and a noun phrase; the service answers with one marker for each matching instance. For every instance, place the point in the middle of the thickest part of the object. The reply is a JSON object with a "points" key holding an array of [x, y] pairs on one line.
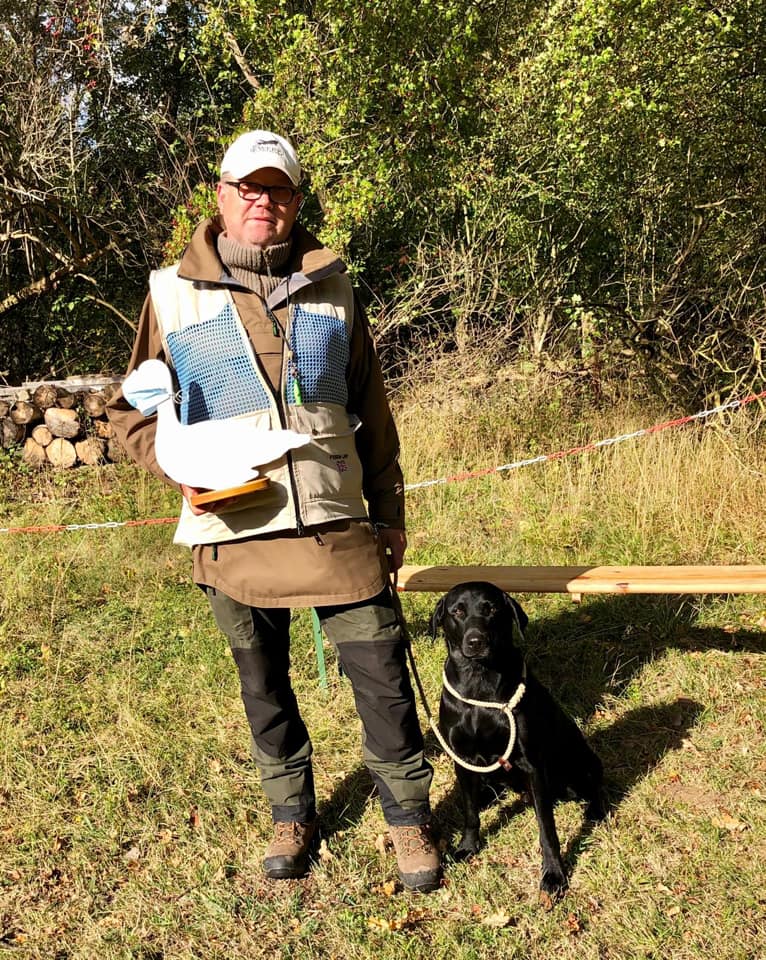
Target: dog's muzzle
{"points": [[475, 643]]}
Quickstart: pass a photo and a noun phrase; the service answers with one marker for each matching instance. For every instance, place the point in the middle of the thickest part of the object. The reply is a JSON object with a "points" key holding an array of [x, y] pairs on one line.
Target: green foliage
{"points": [[580, 178], [201, 204], [379, 100], [580, 174]]}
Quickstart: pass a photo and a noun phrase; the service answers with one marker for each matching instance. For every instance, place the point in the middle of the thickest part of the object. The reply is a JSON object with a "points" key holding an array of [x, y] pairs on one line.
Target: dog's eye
{"points": [[458, 612], [488, 610]]}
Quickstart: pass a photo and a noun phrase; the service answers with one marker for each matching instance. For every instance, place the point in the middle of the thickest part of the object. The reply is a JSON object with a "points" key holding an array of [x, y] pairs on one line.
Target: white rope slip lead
{"points": [[506, 708]]}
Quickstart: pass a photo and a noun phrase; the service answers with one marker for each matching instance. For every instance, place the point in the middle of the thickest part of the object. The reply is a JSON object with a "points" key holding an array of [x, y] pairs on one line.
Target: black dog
{"points": [[549, 758]]}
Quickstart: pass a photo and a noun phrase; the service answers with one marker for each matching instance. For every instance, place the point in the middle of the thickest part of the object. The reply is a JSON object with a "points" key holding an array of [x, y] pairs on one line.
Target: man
{"points": [[259, 319]]}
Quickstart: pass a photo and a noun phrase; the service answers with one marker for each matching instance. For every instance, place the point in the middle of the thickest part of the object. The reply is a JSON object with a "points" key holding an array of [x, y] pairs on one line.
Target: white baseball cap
{"points": [[258, 149]]}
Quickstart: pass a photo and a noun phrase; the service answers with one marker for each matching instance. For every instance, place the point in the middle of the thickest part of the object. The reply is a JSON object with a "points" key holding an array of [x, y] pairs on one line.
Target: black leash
{"points": [[396, 603]]}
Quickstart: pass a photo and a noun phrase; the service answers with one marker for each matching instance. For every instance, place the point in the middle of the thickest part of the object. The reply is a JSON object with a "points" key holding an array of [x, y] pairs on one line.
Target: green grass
{"points": [[131, 819]]}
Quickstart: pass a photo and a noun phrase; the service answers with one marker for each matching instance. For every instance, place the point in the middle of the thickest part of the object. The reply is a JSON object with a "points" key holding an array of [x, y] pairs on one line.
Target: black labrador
{"points": [[548, 759]]}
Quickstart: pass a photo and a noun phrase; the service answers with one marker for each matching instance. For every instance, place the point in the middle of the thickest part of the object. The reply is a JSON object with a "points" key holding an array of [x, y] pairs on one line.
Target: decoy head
{"points": [[149, 385]]}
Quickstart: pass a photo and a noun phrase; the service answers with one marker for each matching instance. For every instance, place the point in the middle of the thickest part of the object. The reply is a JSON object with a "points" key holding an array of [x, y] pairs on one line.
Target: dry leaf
{"points": [[382, 843], [725, 821], [381, 923], [324, 852], [403, 922], [132, 855], [389, 888], [573, 924], [45, 651], [194, 818], [497, 920], [546, 900]]}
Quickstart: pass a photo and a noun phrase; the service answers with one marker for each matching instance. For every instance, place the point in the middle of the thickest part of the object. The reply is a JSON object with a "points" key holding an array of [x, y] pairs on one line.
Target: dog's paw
{"points": [[595, 811], [552, 886], [467, 848]]}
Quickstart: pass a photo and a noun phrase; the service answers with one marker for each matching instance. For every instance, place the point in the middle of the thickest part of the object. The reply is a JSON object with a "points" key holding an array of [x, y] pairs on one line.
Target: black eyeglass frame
{"points": [[255, 191]]}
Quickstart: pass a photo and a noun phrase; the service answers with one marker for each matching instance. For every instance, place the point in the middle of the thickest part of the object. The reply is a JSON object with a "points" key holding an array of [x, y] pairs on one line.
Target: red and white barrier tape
{"points": [[680, 421], [543, 458]]}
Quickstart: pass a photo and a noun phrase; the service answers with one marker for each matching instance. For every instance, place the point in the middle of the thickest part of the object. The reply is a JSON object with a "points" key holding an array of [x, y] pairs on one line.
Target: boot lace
{"points": [[287, 831], [413, 840]]}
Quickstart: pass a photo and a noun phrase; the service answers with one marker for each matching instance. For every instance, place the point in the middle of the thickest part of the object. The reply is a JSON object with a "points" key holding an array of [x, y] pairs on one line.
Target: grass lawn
{"points": [[132, 823]]}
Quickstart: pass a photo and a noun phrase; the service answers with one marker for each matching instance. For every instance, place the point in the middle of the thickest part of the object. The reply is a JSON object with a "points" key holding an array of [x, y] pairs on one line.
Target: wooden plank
{"points": [[582, 580]]}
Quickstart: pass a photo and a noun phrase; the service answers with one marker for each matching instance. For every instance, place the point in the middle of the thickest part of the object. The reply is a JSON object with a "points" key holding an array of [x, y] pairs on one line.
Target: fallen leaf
{"points": [[389, 888], [324, 852], [382, 924], [725, 821], [496, 920], [546, 901], [573, 924], [382, 843], [194, 818]]}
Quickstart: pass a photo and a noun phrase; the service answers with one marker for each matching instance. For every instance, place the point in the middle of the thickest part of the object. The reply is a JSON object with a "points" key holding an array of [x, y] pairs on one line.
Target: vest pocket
{"points": [[328, 468]]}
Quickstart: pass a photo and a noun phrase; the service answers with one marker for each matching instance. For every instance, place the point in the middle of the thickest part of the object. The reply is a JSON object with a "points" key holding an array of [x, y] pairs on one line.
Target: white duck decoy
{"points": [[211, 454]]}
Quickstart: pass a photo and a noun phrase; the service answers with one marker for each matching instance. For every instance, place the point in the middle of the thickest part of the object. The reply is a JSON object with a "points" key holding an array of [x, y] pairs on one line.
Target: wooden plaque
{"points": [[210, 498]]}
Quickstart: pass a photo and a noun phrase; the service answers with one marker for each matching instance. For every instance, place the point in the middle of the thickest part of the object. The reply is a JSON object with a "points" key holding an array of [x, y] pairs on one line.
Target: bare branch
{"points": [[239, 57], [45, 283]]}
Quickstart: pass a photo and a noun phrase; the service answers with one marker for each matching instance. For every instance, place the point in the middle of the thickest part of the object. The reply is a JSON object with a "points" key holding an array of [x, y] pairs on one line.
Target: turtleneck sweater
{"points": [[257, 268]]}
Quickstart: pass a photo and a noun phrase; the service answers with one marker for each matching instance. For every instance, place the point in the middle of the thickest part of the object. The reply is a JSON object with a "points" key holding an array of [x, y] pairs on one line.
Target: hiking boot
{"points": [[417, 858], [289, 854]]}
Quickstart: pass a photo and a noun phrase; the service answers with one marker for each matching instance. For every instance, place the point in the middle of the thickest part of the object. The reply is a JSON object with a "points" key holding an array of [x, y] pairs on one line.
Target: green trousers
{"points": [[372, 654]]}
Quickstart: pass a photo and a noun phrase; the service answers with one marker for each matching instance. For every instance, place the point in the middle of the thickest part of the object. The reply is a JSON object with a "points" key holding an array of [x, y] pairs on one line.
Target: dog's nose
{"points": [[474, 640]]}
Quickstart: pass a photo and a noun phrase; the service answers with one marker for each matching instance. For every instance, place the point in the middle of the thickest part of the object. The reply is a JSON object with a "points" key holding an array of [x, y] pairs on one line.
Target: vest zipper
{"points": [[276, 327]]}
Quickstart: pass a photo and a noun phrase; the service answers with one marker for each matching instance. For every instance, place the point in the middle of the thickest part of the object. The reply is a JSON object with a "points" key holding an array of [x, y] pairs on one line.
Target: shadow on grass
{"points": [[349, 798], [588, 652], [583, 654]]}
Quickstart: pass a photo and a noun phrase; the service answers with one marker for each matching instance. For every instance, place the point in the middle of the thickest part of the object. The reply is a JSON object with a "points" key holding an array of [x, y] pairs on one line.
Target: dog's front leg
{"points": [[469, 783], [554, 879]]}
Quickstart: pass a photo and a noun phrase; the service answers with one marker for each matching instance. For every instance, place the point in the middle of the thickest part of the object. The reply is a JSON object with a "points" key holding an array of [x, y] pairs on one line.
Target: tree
{"points": [[108, 119]]}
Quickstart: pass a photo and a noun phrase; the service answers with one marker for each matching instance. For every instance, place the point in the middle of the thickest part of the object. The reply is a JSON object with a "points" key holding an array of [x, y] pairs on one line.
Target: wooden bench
{"points": [[576, 581]]}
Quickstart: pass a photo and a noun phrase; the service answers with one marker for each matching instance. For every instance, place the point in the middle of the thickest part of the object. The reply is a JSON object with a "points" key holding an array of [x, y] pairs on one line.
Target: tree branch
{"points": [[45, 283], [241, 62]]}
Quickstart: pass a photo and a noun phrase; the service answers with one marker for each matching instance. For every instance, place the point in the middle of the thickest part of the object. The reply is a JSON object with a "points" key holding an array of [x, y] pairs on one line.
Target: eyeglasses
{"points": [[249, 190]]}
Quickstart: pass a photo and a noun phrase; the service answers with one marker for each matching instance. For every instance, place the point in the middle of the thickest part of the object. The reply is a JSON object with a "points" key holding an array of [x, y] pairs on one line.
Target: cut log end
{"points": [[61, 453]]}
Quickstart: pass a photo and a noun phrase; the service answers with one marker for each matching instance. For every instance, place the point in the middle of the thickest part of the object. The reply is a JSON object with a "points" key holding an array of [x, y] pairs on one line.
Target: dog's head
{"points": [[477, 619]]}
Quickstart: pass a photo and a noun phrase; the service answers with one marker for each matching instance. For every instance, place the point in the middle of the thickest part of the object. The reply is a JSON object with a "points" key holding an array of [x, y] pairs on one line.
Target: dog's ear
{"points": [[437, 616], [517, 613]]}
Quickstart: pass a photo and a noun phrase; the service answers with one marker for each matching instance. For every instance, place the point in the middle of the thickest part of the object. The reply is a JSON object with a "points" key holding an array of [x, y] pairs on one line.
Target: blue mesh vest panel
{"points": [[320, 350], [215, 370]]}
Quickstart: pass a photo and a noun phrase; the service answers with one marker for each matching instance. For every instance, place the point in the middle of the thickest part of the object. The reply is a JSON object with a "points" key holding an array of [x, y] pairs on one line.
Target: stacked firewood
{"points": [[60, 423]]}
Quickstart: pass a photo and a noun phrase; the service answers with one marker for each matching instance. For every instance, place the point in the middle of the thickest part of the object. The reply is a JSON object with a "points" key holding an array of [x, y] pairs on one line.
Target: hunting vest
{"points": [[218, 377]]}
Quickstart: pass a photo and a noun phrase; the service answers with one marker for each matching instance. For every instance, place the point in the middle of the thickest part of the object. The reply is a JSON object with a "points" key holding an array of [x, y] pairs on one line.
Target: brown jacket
{"points": [[338, 562]]}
